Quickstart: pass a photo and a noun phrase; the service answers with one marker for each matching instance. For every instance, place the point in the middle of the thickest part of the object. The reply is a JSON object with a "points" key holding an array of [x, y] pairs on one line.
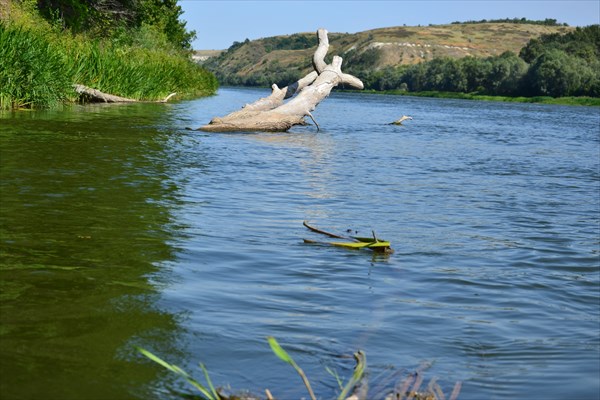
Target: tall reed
{"points": [[31, 70], [134, 72], [39, 65]]}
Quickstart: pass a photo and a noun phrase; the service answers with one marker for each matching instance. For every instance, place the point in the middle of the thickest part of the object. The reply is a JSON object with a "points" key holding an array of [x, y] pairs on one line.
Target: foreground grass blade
{"points": [[283, 355], [336, 376], [279, 351], [209, 394], [208, 381], [158, 360], [359, 370]]}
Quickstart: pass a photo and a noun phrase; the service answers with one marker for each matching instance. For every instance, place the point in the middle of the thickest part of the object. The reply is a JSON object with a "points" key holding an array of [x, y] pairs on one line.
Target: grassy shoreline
{"points": [[40, 63], [571, 101], [567, 101]]}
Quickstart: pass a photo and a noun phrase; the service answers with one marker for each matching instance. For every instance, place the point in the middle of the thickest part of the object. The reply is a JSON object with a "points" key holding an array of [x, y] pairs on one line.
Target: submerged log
{"points": [[97, 96], [401, 120], [270, 114]]}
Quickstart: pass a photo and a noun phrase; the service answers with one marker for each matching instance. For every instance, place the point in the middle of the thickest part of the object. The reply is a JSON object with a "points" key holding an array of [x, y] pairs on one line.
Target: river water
{"points": [[120, 228]]}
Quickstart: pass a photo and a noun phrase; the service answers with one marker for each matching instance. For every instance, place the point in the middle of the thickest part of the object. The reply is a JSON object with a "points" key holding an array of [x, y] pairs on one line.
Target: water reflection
{"points": [[314, 153], [85, 225]]}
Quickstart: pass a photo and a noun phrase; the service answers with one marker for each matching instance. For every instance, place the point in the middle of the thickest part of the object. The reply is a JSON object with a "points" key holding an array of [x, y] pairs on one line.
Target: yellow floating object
{"points": [[371, 243]]}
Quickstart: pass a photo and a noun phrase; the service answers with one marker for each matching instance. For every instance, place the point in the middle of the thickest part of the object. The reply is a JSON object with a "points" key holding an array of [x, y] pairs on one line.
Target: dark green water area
{"points": [[120, 228]]}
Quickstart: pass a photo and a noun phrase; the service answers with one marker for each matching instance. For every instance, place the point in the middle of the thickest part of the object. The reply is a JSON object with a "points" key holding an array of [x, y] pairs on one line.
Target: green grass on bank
{"points": [[31, 70], [39, 64], [574, 101]]}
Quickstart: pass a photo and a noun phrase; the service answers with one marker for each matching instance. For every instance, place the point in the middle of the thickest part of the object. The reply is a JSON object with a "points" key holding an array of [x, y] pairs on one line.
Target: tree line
{"points": [[106, 18], [545, 22], [555, 65]]}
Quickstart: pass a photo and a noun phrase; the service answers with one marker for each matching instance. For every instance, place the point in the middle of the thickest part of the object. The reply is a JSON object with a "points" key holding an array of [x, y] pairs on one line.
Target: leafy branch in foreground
{"points": [[409, 389]]}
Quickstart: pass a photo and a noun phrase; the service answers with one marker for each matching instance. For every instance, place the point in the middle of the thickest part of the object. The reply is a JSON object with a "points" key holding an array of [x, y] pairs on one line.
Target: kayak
{"points": [[354, 242]]}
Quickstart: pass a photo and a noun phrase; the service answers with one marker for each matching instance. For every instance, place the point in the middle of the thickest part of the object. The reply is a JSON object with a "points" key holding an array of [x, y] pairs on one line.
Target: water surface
{"points": [[121, 228]]}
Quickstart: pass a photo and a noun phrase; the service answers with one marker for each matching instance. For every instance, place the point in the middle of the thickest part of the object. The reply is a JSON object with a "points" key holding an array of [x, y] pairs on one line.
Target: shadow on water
{"points": [[85, 230]]}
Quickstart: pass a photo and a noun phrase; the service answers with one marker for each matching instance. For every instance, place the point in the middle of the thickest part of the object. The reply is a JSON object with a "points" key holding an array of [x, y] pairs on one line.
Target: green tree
{"points": [[555, 74], [532, 50], [455, 79], [415, 77], [105, 17], [582, 43], [564, 65], [476, 71], [165, 14], [72, 14], [506, 74], [444, 74]]}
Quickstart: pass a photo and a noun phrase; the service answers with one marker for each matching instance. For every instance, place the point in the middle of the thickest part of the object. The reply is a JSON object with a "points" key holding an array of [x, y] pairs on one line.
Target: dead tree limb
{"points": [[94, 95], [270, 114], [275, 99]]}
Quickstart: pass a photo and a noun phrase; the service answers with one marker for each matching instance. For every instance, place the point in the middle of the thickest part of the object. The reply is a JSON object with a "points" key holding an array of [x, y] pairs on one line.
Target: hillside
{"points": [[275, 59]]}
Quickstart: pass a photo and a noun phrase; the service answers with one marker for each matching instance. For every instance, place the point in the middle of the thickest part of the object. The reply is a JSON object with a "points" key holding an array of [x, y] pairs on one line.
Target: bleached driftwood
{"points": [[270, 114], [275, 99], [401, 120], [95, 95]]}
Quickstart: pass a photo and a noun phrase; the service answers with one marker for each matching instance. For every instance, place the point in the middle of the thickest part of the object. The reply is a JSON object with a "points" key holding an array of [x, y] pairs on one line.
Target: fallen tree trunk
{"points": [[97, 96], [275, 99], [270, 114]]}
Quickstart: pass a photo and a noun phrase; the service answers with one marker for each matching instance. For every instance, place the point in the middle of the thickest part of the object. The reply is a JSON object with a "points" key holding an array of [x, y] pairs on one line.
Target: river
{"points": [[120, 228]]}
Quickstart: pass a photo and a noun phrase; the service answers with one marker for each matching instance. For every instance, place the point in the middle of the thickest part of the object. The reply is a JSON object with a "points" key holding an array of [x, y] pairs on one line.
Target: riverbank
{"points": [[40, 62], [571, 101]]}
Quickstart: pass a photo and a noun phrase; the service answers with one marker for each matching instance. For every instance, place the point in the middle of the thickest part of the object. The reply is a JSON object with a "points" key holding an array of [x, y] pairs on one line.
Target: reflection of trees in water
{"points": [[85, 223]]}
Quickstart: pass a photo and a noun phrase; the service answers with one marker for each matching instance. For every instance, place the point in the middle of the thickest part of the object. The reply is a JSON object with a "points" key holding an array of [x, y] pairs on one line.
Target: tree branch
{"points": [[272, 115]]}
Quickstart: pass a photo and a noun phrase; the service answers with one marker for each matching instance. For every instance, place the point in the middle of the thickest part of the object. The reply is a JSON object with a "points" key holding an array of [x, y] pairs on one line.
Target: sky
{"points": [[219, 23]]}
